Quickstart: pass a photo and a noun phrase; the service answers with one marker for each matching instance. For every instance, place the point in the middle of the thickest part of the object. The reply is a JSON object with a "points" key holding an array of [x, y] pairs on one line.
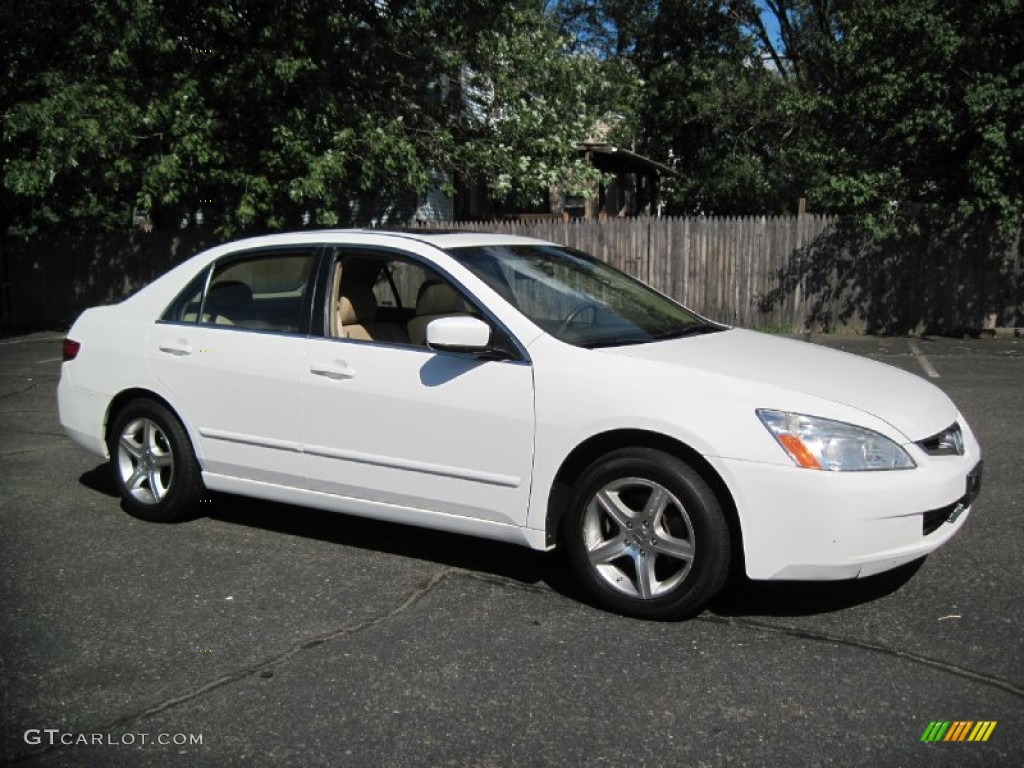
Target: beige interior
{"points": [[356, 317], [436, 299]]}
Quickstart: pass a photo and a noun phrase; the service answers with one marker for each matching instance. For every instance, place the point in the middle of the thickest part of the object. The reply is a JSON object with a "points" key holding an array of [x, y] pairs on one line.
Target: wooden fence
{"points": [[790, 273], [776, 273], [48, 281], [720, 267]]}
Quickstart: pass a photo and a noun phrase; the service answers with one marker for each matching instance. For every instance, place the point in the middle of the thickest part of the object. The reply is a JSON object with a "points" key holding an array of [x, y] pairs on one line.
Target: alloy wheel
{"points": [[638, 537], [145, 460]]}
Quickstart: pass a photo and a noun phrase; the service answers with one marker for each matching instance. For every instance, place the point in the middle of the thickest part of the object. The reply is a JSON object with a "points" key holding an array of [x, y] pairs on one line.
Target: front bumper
{"points": [[804, 524]]}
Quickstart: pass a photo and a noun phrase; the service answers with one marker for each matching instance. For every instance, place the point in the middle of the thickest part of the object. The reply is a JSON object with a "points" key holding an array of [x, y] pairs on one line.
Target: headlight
{"points": [[816, 443]]}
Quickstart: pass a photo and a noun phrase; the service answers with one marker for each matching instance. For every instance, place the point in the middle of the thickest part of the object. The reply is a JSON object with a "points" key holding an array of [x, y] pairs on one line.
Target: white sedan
{"points": [[518, 390]]}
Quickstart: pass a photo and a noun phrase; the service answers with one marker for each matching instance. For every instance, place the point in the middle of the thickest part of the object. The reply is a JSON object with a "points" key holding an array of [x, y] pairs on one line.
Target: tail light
{"points": [[70, 351]]}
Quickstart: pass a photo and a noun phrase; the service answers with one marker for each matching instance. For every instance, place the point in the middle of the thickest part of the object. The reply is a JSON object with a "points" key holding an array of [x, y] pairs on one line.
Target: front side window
{"points": [[578, 299], [390, 299], [261, 292]]}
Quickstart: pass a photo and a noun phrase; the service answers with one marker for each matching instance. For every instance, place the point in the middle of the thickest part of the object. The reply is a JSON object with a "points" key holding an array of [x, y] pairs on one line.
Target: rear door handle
{"points": [[336, 370], [177, 348]]}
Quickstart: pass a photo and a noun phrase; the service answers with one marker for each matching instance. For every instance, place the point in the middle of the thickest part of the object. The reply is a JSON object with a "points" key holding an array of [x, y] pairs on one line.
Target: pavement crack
{"points": [[22, 450], [411, 599], [823, 637], [16, 392], [35, 382], [927, 661], [502, 581], [267, 664]]}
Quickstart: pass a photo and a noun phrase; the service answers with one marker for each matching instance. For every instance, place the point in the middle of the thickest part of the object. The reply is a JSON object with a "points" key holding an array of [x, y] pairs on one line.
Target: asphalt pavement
{"points": [[265, 634]]}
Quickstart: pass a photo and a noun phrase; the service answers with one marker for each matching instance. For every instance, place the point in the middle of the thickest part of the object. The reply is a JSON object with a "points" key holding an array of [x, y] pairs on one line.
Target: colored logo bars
{"points": [[958, 730]]}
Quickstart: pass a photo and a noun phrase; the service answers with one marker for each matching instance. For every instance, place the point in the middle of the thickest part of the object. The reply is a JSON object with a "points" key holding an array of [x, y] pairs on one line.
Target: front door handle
{"points": [[335, 370], [178, 348]]}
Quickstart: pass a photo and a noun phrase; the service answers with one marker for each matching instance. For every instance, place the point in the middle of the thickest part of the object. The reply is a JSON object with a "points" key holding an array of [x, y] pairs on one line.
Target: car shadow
{"points": [[741, 597], [101, 480], [454, 550]]}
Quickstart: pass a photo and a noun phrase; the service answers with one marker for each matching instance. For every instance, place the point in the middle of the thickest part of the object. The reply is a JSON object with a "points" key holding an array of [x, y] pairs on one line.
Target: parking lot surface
{"points": [[264, 634]]}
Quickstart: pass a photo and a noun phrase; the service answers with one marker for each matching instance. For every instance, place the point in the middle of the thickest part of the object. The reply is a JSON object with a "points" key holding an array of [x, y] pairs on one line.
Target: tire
{"points": [[153, 462], [646, 535]]}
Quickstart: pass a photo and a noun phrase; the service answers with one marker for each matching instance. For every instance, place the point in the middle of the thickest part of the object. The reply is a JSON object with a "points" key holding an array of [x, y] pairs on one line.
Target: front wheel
{"points": [[153, 462], [646, 535]]}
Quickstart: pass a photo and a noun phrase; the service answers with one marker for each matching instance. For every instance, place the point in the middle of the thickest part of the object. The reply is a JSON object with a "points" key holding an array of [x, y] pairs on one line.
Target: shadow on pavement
{"points": [[449, 549], [99, 479], [742, 597]]}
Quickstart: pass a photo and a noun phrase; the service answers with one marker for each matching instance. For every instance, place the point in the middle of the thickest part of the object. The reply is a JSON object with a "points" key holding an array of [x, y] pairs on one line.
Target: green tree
{"points": [[530, 97], [266, 114], [897, 113], [904, 114], [705, 104]]}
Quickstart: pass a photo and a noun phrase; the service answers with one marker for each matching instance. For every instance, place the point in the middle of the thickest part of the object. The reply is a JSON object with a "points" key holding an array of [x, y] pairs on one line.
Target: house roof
{"points": [[609, 158]]}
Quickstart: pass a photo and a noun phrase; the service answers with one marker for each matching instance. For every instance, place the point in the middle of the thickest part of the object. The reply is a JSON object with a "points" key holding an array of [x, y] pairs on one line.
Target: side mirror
{"points": [[459, 333]]}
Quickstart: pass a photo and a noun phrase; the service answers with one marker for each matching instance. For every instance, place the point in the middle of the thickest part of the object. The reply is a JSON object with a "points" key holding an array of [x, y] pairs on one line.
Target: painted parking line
{"points": [[50, 360], [30, 341], [924, 361]]}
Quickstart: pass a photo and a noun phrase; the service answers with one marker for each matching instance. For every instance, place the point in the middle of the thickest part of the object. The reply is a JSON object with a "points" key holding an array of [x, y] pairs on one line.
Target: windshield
{"points": [[578, 299]]}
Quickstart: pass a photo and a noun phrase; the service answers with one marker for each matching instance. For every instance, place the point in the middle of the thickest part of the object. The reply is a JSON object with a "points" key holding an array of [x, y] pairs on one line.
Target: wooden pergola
{"points": [[639, 177]]}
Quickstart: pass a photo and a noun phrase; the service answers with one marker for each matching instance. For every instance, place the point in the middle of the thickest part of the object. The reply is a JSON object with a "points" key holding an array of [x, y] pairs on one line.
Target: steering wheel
{"points": [[574, 313]]}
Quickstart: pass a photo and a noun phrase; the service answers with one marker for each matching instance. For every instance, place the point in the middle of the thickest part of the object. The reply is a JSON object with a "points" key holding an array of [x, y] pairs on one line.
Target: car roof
{"points": [[440, 238], [452, 238]]}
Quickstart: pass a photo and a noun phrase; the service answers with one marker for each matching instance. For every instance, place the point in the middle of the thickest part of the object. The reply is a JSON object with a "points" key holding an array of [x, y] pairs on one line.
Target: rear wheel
{"points": [[646, 535], [154, 465]]}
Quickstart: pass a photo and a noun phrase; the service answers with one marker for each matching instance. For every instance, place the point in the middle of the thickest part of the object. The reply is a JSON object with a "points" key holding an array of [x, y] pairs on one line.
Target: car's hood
{"points": [[909, 403]]}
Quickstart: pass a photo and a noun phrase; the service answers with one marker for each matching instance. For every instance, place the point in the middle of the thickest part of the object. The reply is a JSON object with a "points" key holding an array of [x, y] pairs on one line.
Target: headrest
{"points": [[437, 298], [358, 305], [231, 294]]}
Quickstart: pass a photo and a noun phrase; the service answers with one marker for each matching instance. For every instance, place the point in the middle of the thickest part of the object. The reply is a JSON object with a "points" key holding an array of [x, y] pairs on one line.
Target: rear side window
{"points": [[185, 308], [264, 292]]}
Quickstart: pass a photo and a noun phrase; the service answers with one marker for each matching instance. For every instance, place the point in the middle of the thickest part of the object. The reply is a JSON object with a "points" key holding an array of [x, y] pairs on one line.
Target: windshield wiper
{"points": [[597, 343], [690, 330]]}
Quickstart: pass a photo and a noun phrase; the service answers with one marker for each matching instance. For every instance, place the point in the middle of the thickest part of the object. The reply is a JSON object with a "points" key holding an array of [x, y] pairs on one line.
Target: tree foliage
{"points": [[529, 100], [910, 111], [266, 114], [894, 112]]}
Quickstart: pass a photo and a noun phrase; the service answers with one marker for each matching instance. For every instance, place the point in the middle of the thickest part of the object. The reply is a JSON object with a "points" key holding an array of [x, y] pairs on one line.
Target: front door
{"points": [[396, 423]]}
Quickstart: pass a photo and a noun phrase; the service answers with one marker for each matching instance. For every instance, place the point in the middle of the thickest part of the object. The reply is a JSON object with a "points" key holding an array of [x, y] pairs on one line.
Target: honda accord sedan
{"points": [[518, 390]]}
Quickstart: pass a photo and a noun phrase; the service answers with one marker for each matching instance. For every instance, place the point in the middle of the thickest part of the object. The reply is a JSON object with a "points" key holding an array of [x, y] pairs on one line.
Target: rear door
{"points": [[230, 350]]}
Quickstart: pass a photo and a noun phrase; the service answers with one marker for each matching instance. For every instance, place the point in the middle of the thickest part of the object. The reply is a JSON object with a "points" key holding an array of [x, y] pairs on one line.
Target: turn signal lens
{"points": [[798, 451], [70, 350]]}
